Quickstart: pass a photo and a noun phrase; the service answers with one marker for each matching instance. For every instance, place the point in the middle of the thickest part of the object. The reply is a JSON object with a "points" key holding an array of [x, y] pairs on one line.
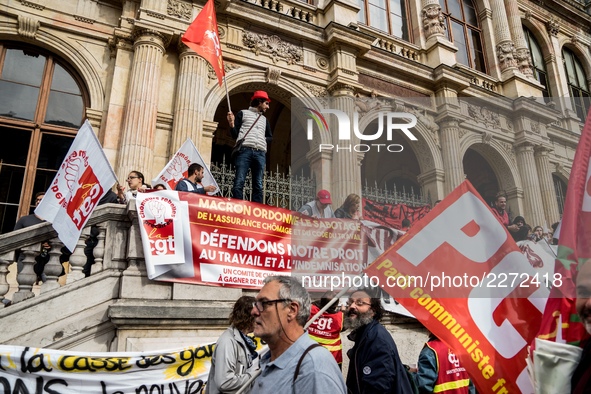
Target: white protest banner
{"points": [[177, 168], [38, 370], [82, 180]]}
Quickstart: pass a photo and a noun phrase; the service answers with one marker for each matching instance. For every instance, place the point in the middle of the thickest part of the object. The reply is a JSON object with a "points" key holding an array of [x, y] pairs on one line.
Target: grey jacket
{"points": [[229, 364]]}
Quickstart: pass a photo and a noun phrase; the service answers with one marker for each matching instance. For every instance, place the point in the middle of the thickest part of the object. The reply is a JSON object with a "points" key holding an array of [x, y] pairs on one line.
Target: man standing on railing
{"points": [[252, 128]]}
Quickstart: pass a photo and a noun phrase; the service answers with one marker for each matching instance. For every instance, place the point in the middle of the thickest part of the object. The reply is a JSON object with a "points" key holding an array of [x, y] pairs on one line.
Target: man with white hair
{"points": [[294, 361]]}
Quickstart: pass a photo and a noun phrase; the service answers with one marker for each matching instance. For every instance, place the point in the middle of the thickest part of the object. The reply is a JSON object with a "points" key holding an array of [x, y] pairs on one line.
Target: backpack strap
{"points": [[297, 370]]}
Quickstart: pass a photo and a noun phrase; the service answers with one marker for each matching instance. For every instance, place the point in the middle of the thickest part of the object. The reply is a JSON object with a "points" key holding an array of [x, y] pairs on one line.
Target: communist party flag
{"points": [[459, 272], [202, 37], [560, 322]]}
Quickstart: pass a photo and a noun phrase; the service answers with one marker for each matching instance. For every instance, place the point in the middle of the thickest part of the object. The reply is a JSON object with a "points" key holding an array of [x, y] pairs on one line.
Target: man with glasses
{"points": [[374, 365], [294, 362]]}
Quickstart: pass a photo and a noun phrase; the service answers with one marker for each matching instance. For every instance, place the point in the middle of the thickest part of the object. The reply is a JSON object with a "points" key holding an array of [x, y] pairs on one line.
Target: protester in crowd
{"points": [[42, 258], [537, 234], [374, 365], [581, 379], [523, 229], [135, 183], [351, 208], [294, 363], [405, 224], [554, 228], [253, 128], [439, 370], [320, 207], [501, 213], [326, 330], [192, 183], [159, 186], [234, 359]]}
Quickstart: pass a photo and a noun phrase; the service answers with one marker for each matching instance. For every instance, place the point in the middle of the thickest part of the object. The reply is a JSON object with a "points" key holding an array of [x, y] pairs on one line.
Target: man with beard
{"points": [[375, 365], [581, 379], [192, 183]]}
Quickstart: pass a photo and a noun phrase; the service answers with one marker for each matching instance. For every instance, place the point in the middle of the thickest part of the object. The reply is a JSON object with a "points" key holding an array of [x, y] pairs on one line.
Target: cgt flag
{"points": [[77, 187], [561, 322], [178, 167], [202, 37]]}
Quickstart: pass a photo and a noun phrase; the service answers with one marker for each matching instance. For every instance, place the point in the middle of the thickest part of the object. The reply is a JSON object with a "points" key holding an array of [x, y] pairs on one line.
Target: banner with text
{"points": [[391, 215], [461, 274], [193, 238], [37, 370]]}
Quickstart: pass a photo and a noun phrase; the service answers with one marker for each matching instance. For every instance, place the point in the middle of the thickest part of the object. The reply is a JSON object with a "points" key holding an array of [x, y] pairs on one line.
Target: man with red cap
{"points": [[251, 126], [320, 207]]}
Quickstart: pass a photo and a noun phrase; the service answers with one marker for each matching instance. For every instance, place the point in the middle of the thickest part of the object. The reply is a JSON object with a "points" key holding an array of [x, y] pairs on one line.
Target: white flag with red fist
{"points": [[82, 180], [178, 168]]}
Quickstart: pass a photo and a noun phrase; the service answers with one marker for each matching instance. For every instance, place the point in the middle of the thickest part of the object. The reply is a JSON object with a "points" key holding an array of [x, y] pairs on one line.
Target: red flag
{"points": [[560, 322], [202, 37]]}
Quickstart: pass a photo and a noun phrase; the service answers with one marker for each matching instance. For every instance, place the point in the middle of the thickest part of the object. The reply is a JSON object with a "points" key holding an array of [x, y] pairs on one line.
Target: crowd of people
{"points": [[309, 361]]}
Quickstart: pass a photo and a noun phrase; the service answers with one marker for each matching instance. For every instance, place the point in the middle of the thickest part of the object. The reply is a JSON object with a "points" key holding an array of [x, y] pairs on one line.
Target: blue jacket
{"points": [[375, 365]]}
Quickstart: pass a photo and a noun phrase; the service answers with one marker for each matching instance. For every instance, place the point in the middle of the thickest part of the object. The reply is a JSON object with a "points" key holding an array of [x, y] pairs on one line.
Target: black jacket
{"points": [[375, 365]]}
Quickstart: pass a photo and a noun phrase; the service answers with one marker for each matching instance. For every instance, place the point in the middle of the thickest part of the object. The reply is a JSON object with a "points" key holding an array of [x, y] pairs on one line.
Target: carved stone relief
{"points": [[317, 91], [322, 62], [179, 9], [524, 61], [484, 115], [552, 27], [365, 104], [274, 47], [211, 75], [272, 74]]}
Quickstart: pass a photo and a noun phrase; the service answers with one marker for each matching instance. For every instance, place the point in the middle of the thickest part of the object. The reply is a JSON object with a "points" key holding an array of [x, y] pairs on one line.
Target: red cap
{"points": [[324, 197], [260, 94]]}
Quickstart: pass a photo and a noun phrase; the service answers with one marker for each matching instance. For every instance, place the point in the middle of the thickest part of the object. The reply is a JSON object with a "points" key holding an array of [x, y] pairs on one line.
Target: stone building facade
{"points": [[507, 85]]}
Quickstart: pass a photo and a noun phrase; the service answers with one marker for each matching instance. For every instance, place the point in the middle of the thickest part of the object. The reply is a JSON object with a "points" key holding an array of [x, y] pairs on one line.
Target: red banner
{"points": [[561, 322], [193, 238], [461, 274], [391, 215]]}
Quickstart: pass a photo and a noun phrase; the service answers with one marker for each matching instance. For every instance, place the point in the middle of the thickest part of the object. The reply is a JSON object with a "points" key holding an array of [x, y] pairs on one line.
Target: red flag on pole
{"points": [[560, 322], [202, 37]]}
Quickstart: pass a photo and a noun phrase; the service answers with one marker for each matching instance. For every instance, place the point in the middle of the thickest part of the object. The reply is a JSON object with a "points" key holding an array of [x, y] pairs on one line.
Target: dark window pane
{"points": [[53, 151], [455, 8], [361, 15], [377, 18], [460, 42], [18, 101], [14, 153], [13, 157], [476, 54], [63, 81], [23, 68], [64, 109], [470, 13]]}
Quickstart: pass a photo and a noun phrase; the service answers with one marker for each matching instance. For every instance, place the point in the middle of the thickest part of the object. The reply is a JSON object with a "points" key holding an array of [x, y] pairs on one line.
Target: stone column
{"points": [[505, 47], [522, 55], [452, 156], [188, 106], [546, 185], [137, 146], [531, 188], [346, 177]]}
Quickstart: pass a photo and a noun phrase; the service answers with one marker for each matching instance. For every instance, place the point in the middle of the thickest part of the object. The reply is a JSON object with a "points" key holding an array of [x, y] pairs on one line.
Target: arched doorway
{"points": [[393, 171], [479, 172], [42, 105]]}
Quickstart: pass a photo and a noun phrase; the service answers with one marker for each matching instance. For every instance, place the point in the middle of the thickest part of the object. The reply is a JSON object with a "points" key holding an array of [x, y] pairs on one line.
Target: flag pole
{"points": [[227, 95]]}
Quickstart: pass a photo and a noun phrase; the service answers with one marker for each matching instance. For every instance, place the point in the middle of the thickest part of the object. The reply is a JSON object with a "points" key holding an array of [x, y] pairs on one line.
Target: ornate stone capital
{"points": [[433, 20], [506, 55], [524, 62], [341, 89], [150, 37], [317, 91]]}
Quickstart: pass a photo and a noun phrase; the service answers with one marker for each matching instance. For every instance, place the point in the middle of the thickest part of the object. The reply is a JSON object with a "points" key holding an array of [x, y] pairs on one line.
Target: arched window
{"points": [[42, 105], [577, 83], [386, 15], [537, 60], [463, 29]]}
